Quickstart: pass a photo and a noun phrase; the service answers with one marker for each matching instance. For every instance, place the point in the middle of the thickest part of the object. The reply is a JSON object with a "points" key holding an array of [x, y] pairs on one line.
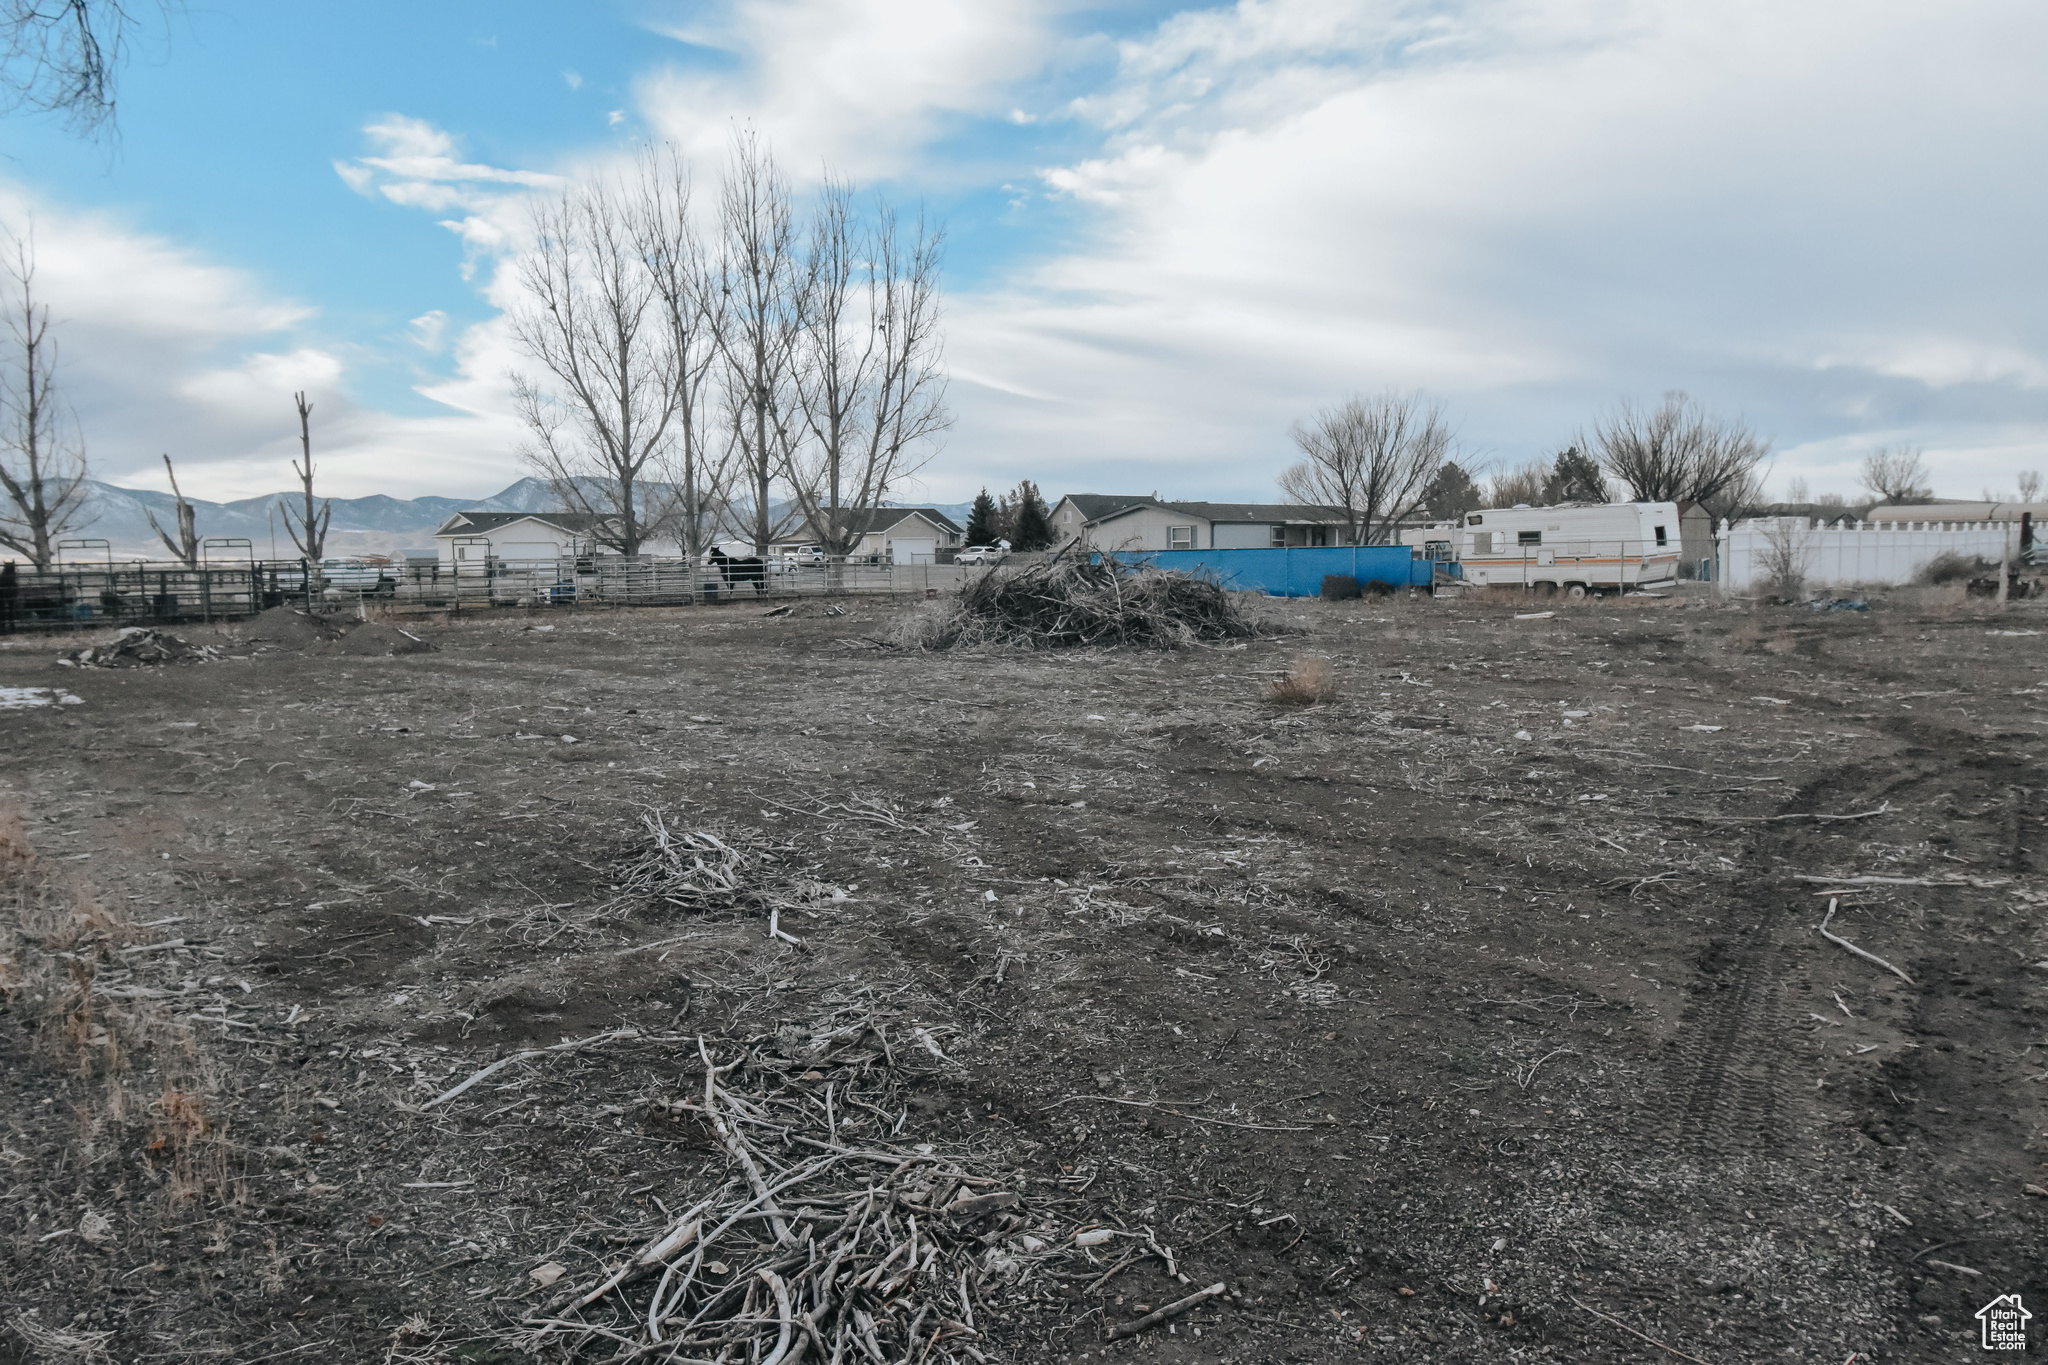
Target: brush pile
{"points": [[834, 1248], [1079, 602], [703, 869], [138, 647]]}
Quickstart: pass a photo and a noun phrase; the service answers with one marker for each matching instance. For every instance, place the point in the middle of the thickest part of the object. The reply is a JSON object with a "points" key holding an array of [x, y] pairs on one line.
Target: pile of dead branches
{"points": [[843, 1249], [138, 647], [1088, 602], [703, 869]]}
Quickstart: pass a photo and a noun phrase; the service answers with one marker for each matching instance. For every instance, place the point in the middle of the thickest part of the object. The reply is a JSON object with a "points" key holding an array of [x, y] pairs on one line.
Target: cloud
{"points": [[864, 85], [1531, 208], [573, 79], [427, 329]]}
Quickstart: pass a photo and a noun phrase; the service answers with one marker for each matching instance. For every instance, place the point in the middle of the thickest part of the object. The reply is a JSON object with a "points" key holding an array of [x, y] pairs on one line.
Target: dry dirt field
{"points": [[1479, 1014]]}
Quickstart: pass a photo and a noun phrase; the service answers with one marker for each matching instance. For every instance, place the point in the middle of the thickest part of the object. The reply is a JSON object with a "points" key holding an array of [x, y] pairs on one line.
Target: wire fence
{"points": [[98, 595]]}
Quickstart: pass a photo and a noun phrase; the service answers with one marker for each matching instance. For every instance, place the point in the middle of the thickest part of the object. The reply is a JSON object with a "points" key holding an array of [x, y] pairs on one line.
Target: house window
{"points": [[1319, 537], [1660, 535], [1279, 540], [1180, 537], [1528, 537]]}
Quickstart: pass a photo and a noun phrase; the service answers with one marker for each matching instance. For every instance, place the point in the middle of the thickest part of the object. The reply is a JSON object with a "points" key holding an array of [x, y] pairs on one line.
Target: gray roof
{"points": [[1098, 507], [482, 523], [1262, 512], [875, 522]]}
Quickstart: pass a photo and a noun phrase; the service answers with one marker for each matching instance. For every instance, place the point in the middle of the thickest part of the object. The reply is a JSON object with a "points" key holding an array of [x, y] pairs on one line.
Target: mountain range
{"points": [[359, 526]]}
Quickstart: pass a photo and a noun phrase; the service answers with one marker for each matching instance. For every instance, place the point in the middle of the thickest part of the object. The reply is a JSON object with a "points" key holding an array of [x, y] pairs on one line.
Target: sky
{"points": [[1171, 232]]}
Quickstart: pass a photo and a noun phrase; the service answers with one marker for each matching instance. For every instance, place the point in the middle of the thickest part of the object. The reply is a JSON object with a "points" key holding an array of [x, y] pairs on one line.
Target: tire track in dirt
{"points": [[1727, 1067]]}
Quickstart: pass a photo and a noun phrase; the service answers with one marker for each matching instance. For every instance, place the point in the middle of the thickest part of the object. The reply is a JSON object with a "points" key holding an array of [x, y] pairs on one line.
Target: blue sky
{"points": [[1172, 230]]}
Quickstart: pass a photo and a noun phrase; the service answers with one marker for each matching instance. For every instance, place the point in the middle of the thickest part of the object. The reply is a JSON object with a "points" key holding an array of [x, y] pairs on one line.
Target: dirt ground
{"points": [[1480, 1014]]}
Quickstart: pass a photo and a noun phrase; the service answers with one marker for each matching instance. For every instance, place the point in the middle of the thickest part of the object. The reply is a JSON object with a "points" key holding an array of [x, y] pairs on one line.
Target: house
{"points": [[1942, 511], [1117, 522], [468, 541], [901, 535]]}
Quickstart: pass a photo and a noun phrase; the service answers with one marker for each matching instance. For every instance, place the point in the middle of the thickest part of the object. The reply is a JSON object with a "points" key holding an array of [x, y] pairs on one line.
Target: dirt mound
{"points": [[138, 647], [1083, 603], [302, 632]]}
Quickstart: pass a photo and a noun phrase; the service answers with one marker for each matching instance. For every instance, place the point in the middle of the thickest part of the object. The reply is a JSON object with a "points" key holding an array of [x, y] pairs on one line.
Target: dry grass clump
{"points": [[1309, 681], [1083, 602]]}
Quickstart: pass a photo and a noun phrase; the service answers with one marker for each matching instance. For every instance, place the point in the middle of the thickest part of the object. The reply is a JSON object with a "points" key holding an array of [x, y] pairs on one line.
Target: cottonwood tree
{"points": [[1895, 475], [598, 416], [867, 367], [1678, 452], [1372, 459], [185, 546], [2029, 484], [42, 458], [306, 524], [694, 311], [1524, 484], [758, 279]]}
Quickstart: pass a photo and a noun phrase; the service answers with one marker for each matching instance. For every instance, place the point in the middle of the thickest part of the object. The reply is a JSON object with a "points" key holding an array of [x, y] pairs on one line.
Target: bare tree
{"points": [[2029, 483], [757, 277], [1373, 459], [185, 548], [594, 321], [1524, 483], [1677, 452], [309, 533], [42, 460], [867, 371], [60, 56], [698, 463], [1895, 475]]}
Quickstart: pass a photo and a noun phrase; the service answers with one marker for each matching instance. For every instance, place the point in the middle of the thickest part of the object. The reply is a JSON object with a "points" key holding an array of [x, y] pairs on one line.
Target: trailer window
{"points": [[1660, 535], [1528, 537], [1474, 520]]}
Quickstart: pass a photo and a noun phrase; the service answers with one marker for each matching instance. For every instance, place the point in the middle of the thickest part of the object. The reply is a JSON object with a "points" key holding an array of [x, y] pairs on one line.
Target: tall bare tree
{"points": [[694, 311], [2029, 484], [1678, 452], [1373, 459], [61, 56], [868, 367], [758, 278], [599, 418], [1895, 475], [185, 546], [42, 459], [307, 523], [1522, 483]]}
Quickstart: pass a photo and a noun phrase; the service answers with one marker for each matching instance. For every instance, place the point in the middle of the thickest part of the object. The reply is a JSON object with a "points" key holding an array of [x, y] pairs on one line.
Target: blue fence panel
{"points": [[1296, 572]]}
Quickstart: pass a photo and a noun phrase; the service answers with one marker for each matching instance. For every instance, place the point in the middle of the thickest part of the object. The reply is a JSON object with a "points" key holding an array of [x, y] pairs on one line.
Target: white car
{"points": [[804, 554], [981, 554]]}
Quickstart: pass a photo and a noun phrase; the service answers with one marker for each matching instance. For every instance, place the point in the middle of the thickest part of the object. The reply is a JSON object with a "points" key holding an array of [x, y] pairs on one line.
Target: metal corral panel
{"points": [[1298, 572]]}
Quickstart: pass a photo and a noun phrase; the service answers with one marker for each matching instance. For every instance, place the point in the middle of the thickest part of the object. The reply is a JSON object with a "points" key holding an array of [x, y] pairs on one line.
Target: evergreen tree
{"points": [[1032, 528], [983, 526], [1452, 493], [1575, 478]]}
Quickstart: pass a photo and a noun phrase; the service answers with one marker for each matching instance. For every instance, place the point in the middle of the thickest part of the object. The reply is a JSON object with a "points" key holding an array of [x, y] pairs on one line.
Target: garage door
{"points": [[914, 551]]}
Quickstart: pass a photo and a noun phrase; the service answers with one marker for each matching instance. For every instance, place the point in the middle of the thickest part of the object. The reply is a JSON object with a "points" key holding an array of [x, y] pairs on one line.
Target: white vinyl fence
{"points": [[1753, 552]]}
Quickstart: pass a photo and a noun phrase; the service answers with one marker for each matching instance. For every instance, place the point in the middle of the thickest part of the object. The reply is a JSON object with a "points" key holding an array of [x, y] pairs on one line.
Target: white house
{"points": [[1112, 522], [901, 535], [468, 541]]}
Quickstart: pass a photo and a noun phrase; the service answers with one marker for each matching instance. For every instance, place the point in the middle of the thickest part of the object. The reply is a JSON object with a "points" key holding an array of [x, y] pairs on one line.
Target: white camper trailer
{"points": [[1602, 547]]}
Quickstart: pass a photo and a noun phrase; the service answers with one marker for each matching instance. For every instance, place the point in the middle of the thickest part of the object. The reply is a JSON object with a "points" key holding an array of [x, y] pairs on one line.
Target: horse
{"points": [[736, 570]]}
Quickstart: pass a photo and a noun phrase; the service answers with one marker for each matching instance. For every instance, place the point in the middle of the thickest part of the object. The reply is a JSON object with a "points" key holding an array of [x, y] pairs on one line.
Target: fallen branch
{"points": [[495, 1067], [1634, 1333], [1905, 881], [1769, 819], [1159, 1315], [1868, 957]]}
